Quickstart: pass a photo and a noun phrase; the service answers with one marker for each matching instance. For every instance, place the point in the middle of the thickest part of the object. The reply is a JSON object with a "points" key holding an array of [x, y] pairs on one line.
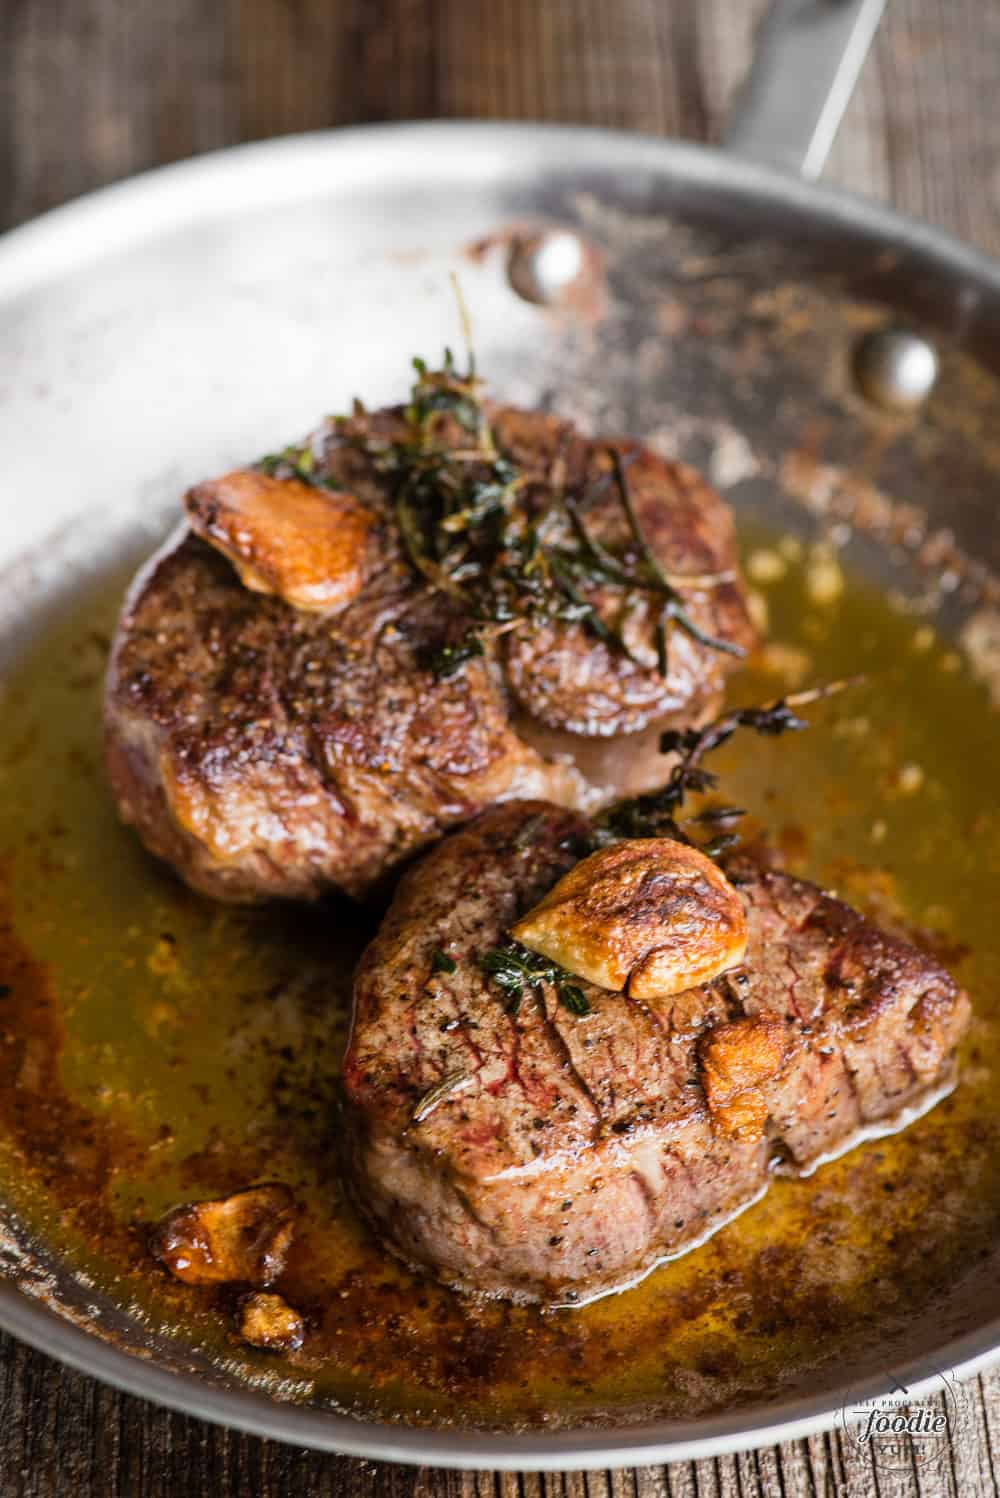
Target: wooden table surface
{"points": [[92, 90]]}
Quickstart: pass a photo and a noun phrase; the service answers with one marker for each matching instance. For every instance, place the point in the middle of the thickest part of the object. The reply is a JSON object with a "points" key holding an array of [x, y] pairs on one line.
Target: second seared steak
{"points": [[358, 645], [543, 1154]]}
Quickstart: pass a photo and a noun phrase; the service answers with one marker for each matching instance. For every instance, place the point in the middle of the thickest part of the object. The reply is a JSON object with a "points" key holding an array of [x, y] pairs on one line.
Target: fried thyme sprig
{"points": [[655, 814], [469, 528]]}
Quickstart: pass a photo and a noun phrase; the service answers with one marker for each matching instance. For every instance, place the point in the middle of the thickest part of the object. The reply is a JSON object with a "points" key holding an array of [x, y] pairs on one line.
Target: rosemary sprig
{"points": [[603, 562], [561, 573], [512, 967], [673, 611], [437, 1094], [463, 530]]}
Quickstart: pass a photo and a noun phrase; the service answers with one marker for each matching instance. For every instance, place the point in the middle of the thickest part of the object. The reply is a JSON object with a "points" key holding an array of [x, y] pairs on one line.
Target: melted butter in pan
{"points": [[155, 1047]]}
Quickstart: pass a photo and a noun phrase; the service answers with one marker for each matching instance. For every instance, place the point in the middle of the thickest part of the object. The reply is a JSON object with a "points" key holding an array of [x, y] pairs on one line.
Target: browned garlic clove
{"points": [[649, 914], [245, 1236], [268, 1321], [735, 1060], [285, 537]]}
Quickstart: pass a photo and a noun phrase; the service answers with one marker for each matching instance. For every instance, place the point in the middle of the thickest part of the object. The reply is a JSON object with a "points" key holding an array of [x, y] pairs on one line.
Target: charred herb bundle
{"points": [[655, 814], [472, 530]]}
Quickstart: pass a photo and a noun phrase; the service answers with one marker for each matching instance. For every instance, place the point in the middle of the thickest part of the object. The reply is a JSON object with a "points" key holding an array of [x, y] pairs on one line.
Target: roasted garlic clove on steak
{"points": [[243, 1237], [648, 914], [284, 536]]}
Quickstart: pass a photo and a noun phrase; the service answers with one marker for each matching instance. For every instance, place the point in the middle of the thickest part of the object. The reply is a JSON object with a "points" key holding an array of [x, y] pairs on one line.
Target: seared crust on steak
{"points": [[274, 724], [551, 1156]]}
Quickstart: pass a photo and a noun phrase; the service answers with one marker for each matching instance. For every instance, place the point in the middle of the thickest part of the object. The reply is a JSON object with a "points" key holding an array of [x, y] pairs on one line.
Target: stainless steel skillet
{"points": [[158, 330]]}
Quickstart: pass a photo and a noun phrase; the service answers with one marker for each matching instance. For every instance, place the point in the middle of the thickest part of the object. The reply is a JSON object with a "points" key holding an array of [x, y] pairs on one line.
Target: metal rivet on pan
{"points": [[543, 267], [895, 368]]}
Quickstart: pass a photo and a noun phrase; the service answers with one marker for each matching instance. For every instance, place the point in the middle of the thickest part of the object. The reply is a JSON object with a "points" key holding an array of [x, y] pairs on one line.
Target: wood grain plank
{"points": [[988, 1398], [939, 63], [97, 89], [311, 64]]}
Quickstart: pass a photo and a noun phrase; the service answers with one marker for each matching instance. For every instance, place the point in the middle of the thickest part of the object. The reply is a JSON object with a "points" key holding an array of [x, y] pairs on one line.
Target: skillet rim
{"points": [[49, 243]]}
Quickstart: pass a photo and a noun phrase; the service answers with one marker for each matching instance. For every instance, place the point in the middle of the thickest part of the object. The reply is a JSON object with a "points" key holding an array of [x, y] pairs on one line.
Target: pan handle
{"points": [[807, 60]]}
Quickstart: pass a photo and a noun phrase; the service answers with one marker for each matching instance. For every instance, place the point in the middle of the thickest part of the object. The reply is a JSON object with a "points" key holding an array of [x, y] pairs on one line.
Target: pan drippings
{"points": [[155, 1048]]}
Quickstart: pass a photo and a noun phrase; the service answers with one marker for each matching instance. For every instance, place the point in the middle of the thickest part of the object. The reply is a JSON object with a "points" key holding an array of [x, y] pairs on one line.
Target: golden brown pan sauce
{"points": [[155, 1047]]}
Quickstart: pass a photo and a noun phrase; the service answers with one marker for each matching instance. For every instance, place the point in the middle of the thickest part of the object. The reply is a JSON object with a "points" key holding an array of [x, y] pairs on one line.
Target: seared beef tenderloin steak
{"points": [[351, 648], [551, 1155], [268, 751]]}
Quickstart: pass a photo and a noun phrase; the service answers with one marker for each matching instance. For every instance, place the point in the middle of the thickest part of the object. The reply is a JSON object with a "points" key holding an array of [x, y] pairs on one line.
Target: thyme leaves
{"points": [[297, 463], [573, 998], [512, 967]]}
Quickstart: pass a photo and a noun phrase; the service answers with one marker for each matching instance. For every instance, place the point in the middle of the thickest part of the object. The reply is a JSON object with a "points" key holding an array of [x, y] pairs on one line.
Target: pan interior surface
{"points": [[156, 1048]]}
